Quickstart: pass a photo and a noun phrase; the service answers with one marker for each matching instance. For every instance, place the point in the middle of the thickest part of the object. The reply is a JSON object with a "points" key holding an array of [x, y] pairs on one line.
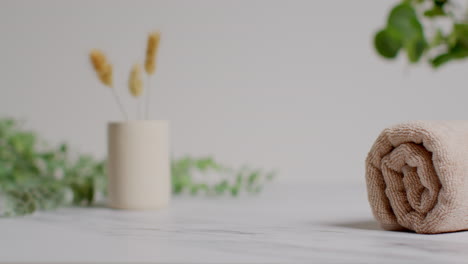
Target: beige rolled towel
{"points": [[417, 177]]}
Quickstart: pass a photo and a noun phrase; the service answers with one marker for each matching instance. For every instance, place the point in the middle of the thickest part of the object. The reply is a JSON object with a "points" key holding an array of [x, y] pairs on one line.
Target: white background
{"points": [[291, 85]]}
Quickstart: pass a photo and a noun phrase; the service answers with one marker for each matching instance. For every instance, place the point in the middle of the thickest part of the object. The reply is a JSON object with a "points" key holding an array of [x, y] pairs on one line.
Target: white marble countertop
{"points": [[285, 224]]}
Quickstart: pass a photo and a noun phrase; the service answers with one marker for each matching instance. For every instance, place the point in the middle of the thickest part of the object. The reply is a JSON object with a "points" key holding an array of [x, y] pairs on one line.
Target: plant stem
{"points": [[119, 103], [139, 115], [148, 93]]}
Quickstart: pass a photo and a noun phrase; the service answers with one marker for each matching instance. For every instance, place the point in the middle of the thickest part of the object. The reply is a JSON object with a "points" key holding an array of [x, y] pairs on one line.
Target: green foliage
{"points": [[404, 21], [457, 43], [34, 176], [386, 44], [185, 170], [404, 31]]}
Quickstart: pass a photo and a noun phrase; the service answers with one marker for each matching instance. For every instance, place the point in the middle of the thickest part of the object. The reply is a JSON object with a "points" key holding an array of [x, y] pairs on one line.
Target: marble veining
{"points": [[287, 223]]}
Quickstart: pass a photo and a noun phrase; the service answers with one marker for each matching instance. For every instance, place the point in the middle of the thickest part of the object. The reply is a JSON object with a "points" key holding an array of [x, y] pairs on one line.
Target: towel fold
{"points": [[417, 177]]}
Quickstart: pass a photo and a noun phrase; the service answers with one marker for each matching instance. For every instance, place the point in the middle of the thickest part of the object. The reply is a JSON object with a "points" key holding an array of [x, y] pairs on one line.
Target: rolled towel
{"points": [[417, 177]]}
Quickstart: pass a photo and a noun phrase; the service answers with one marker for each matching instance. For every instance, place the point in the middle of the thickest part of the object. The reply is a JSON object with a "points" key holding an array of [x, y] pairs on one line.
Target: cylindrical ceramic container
{"points": [[139, 165]]}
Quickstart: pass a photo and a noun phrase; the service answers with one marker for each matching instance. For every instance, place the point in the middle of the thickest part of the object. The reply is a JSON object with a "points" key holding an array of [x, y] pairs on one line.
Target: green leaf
{"points": [[253, 177], [458, 46], [438, 39], [441, 59], [459, 53], [63, 148], [404, 21], [235, 190], [221, 187], [454, 54], [460, 32], [436, 11], [414, 49], [403, 30], [440, 3], [387, 44]]}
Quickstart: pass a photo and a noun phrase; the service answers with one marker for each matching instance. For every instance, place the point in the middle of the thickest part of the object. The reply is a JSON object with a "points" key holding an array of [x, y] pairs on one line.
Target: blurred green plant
{"points": [[228, 180], [35, 176], [413, 26]]}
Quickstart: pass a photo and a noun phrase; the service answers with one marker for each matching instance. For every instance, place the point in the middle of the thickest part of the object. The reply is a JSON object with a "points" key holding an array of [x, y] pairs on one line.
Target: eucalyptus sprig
{"points": [[413, 26], [37, 176]]}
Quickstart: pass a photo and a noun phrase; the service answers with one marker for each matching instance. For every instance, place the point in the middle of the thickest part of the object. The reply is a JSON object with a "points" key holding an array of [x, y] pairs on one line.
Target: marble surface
{"points": [[292, 223]]}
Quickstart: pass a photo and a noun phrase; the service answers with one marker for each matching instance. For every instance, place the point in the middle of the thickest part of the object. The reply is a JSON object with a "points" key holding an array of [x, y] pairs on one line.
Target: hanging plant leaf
{"points": [[415, 48], [457, 52], [406, 29], [441, 59], [460, 34], [440, 3], [436, 11], [403, 30], [387, 44], [438, 39], [458, 46], [404, 21]]}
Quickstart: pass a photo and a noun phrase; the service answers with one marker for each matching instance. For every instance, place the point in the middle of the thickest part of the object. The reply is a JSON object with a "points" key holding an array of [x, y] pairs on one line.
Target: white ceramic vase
{"points": [[138, 165]]}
